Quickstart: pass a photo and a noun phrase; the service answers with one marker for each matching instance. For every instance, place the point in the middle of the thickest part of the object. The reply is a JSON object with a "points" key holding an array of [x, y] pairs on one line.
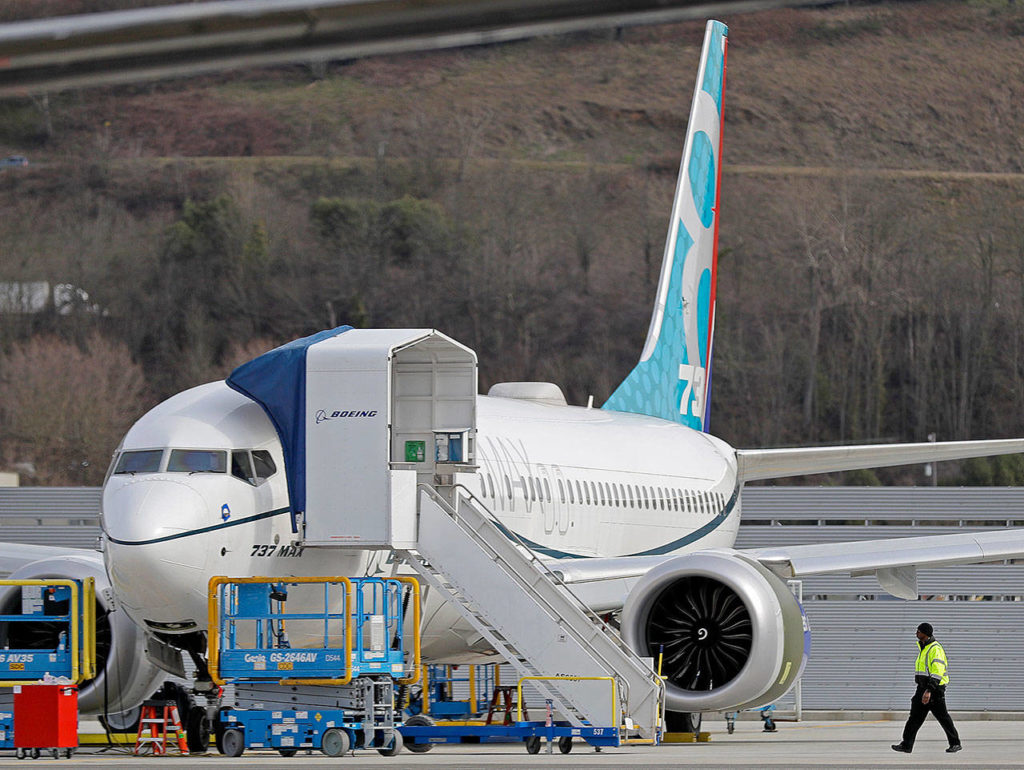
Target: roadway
{"points": [[836, 745]]}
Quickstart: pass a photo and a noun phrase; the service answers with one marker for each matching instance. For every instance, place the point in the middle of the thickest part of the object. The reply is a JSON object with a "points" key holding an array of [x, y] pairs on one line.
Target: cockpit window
{"points": [[241, 467], [197, 461], [253, 468], [263, 464], [144, 461]]}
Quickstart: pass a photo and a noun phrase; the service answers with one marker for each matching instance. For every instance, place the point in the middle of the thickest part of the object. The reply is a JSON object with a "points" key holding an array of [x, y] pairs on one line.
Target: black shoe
{"points": [[900, 747], [954, 749]]}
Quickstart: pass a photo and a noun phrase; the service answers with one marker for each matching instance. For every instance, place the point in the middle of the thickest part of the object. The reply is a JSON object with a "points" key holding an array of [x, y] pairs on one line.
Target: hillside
{"points": [[516, 197]]}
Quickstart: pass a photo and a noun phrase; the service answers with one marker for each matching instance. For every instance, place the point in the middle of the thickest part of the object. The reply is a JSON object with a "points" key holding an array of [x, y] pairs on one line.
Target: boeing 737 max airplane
{"points": [[635, 504]]}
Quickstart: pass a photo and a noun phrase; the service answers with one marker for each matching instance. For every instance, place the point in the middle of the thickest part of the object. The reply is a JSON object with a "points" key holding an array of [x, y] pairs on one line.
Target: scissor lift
{"points": [[319, 674], [63, 611]]}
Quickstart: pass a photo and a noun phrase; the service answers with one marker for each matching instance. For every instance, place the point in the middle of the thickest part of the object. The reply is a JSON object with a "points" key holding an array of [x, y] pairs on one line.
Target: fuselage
{"points": [[197, 488]]}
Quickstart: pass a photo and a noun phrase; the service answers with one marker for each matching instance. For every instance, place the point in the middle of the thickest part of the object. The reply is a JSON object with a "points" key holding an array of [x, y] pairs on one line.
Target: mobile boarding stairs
{"points": [[386, 476]]}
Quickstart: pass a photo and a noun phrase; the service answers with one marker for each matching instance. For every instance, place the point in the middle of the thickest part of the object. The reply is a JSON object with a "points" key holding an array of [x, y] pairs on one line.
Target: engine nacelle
{"points": [[729, 632], [125, 677]]}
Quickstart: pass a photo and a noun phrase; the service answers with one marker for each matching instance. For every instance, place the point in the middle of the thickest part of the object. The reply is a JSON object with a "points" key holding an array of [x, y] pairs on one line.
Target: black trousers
{"points": [[919, 710]]}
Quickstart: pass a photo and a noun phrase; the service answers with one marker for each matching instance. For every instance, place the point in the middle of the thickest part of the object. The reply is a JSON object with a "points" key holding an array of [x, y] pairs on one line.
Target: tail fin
{"points": [[673, 378]]}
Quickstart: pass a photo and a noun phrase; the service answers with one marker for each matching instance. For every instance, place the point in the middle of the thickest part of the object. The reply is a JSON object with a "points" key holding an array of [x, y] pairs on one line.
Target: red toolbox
{"points": [[46, 716]]}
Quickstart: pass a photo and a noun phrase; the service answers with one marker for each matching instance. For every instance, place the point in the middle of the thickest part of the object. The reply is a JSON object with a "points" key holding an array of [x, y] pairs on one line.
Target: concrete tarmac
{"points": [[835, 745]]}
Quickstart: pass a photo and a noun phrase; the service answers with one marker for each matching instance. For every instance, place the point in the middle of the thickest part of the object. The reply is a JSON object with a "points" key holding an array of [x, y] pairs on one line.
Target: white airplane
{"points": [[636, 503]]}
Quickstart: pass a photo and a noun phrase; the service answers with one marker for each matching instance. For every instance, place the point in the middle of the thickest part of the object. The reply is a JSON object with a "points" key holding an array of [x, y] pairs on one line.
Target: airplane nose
{"points": [[155, 562], [145, 511]]}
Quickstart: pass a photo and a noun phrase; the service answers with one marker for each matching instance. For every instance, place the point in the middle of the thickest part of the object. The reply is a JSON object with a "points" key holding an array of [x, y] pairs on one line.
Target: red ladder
{"points": [[502, 693], [160, 718]]}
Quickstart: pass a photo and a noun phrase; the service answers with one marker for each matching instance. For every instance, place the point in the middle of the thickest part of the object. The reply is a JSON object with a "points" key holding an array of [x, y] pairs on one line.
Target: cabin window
{"points": [[508, 487], [647, 499], [572, 495], [197, 461], [561, 492], [587, 489], [547, 491], [144, 461]]}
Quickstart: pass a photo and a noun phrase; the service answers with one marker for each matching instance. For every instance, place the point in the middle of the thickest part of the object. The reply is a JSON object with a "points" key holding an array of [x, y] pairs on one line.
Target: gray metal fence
{"points": [[863, 645]]}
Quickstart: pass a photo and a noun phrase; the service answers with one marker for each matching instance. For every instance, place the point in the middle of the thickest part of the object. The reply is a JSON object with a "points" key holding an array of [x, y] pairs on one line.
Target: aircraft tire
{"points": [[197, 731]]}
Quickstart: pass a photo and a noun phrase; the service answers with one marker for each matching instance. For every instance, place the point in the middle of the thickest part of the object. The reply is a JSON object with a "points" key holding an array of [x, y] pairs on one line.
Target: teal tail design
{"points": [[673, 378]]}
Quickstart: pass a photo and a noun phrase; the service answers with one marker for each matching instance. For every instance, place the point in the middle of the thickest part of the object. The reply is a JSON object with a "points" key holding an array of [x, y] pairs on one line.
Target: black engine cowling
{"points": [[727, 632]]}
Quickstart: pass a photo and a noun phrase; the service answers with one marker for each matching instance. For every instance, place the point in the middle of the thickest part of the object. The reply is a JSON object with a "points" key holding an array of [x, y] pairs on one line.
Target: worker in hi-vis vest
{"points": [[931, 677]]}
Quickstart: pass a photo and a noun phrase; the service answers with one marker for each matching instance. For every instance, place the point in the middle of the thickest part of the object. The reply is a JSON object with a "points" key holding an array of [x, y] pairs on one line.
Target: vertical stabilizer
{"points": [[673, 378]]}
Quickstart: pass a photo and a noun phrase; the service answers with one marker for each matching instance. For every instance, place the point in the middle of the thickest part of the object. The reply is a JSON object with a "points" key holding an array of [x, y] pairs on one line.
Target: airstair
{"points": [[379, 427], [565, 651]]}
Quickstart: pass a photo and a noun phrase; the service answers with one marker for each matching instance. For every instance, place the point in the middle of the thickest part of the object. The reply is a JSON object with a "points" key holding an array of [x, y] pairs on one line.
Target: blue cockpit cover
{"points": [[277, 382]]}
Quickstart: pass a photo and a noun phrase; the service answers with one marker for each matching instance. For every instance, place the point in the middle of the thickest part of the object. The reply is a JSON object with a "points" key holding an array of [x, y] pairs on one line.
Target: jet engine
{"points": [[125, 677], [729, 634]]}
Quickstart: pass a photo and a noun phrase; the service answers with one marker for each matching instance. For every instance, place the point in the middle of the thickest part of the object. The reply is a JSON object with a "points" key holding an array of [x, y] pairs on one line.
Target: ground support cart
{"points": [[532, 734], [420, 737], [338, 692], [45, 719]]}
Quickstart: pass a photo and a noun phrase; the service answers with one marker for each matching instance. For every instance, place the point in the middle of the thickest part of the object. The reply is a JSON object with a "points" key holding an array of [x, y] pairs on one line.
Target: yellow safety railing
{"points": [[417, 665], [81, 627], [213, 626], [615, 714]]}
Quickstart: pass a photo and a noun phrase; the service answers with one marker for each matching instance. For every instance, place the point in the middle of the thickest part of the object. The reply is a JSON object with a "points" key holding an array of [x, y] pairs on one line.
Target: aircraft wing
{"points": [[754, 464], [894, 561], [13, 556], [604, 583]]}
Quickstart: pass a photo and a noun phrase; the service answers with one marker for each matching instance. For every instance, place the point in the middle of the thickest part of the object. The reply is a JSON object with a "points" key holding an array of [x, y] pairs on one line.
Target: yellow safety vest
{"points": [[931, 663]]}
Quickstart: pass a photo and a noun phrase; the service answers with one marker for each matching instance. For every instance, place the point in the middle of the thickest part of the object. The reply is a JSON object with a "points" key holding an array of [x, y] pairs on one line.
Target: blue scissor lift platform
{"points": [[333, 690]]}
